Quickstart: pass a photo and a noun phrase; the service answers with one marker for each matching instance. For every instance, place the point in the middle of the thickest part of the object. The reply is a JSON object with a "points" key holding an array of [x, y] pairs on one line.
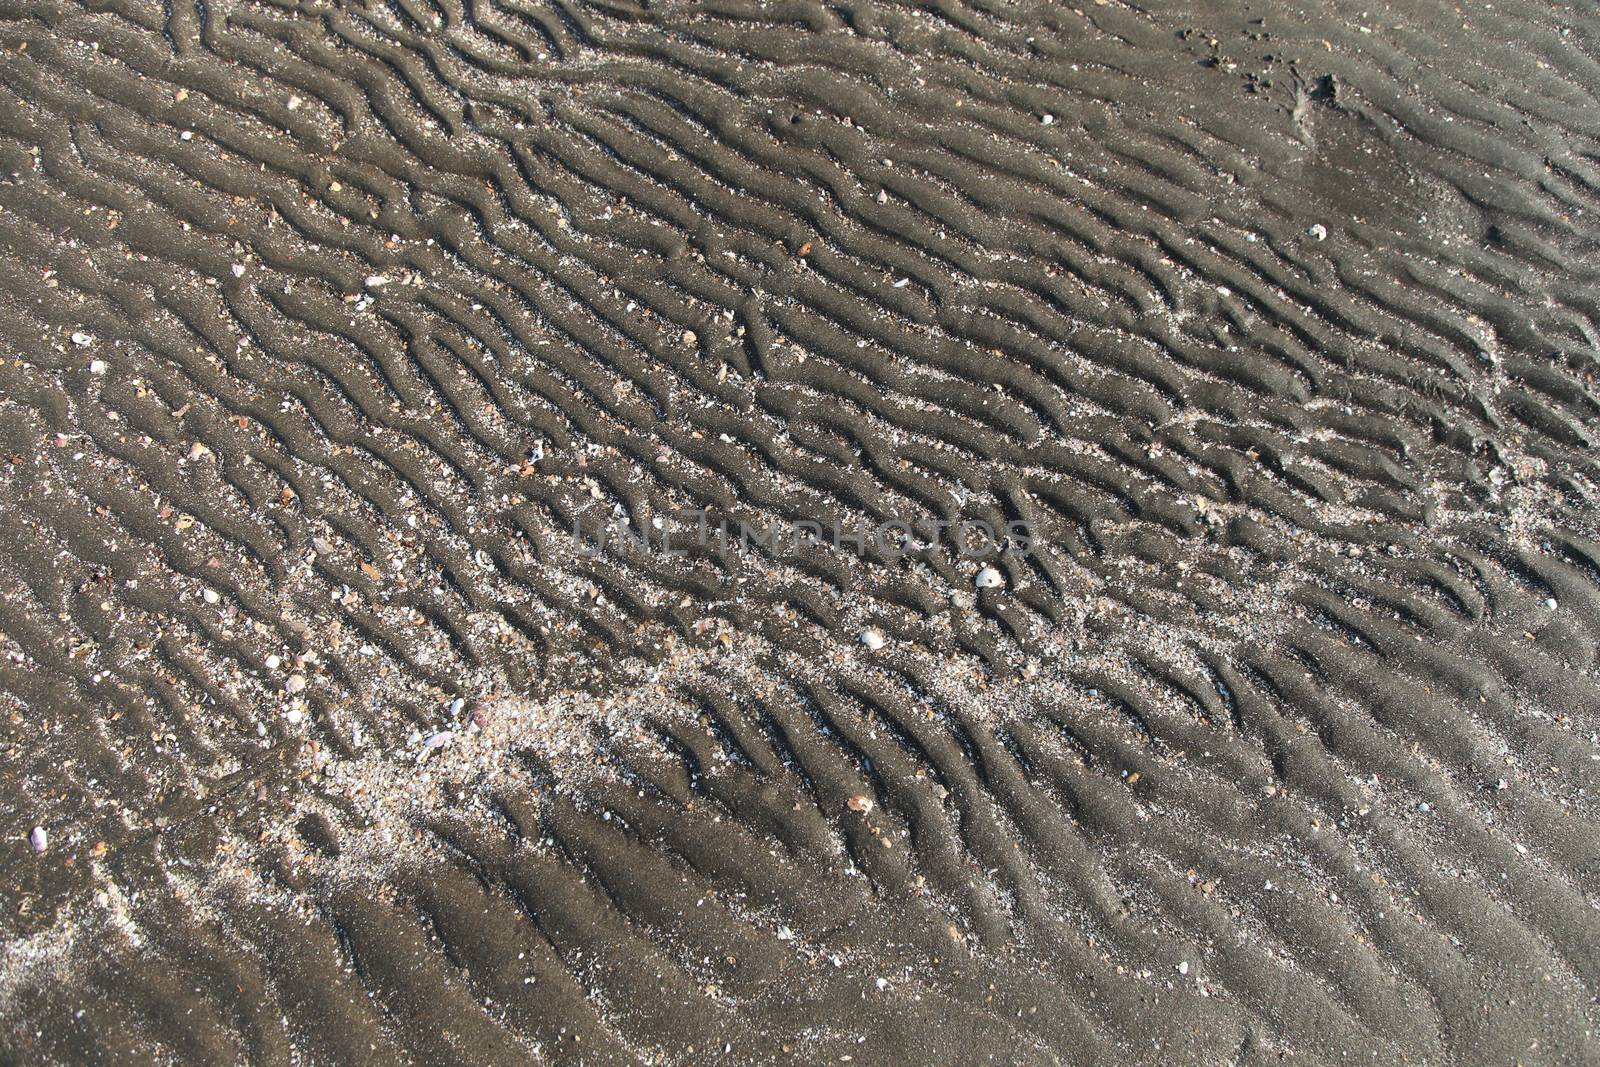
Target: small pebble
{"points": [[38, 839], [1047, 119], [211, 596], [859, 803], [294, 683], [1183, 967], [98, 367]]}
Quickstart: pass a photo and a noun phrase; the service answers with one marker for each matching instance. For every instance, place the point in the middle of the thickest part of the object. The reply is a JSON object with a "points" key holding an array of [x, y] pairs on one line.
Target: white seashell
{"points": [[435, 741]]}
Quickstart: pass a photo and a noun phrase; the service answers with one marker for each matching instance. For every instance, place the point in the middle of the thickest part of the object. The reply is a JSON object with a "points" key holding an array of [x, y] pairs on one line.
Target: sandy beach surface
{"points": [[773, 531]]}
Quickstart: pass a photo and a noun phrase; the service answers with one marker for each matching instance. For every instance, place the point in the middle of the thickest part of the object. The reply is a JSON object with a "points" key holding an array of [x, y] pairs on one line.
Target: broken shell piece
{"points": [[435, 741], [989, 578], [98, 367], [38, 839], [873, 638], [82, 340], [860, 803], [294, 683]]}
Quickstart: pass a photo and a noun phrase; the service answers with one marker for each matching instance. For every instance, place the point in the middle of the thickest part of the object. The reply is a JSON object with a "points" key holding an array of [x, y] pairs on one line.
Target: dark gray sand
{"points": [[333, 332]]}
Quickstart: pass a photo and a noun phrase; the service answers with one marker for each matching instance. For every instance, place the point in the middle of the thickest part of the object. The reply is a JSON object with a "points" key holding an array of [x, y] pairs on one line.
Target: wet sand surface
{"points": [[348, 350]]}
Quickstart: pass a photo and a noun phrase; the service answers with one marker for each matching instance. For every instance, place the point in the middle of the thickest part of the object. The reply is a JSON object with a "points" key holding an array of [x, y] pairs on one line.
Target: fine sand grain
{"points": [[333, 333]]}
